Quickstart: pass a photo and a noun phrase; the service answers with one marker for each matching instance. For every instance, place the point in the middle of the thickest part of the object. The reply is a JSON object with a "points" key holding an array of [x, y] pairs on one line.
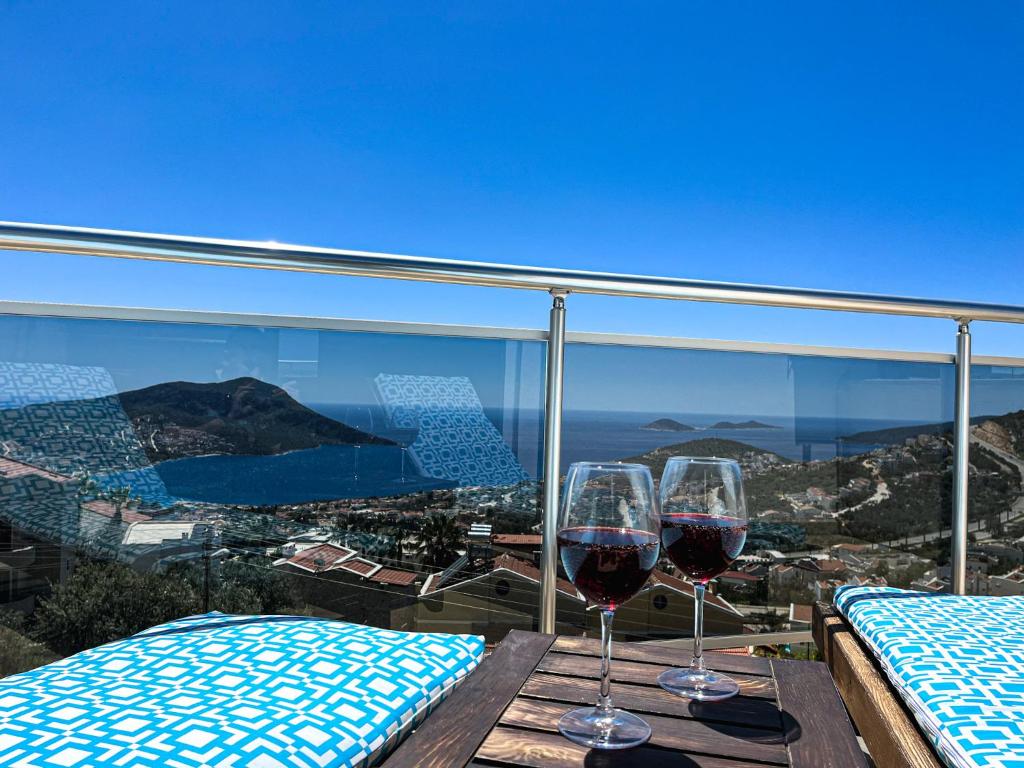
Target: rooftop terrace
{"points": [[406, 476]]}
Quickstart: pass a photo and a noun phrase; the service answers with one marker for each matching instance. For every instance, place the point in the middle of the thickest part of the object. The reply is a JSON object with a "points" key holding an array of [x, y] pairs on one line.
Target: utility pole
{"points": [[207, 541]]}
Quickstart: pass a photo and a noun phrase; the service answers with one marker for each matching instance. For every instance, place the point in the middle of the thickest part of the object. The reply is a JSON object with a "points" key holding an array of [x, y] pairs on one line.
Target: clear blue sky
{"points": [[868, 146]]}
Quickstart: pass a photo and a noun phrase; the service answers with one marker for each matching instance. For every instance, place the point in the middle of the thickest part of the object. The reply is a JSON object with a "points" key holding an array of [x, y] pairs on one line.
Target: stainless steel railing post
{"points": [[961, 459], [552, 461]]}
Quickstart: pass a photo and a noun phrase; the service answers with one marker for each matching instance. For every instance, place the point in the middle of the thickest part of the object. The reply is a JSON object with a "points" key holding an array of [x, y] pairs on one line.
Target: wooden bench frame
{"points": [[886, 725]]}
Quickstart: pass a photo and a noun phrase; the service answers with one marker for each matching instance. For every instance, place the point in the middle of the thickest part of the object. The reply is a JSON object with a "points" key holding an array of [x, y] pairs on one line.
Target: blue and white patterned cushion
{"points": [[958, 663], [218, 691]]}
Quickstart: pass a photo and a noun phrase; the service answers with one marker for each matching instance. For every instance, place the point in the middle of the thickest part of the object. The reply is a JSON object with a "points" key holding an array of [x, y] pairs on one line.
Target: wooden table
{"points": [[788, 713]]}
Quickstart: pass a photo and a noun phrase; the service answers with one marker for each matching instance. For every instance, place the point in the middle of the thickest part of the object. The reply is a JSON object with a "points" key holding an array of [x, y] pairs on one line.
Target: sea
{"points": [[341, 472]]}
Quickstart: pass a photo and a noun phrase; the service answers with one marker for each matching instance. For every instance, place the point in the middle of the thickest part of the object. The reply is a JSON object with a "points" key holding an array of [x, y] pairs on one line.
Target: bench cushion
{"points": [[957, 662], [218, 690]]}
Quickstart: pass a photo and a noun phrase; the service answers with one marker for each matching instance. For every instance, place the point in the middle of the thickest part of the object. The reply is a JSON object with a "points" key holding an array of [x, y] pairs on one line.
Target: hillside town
{"points": [[467, 558]]}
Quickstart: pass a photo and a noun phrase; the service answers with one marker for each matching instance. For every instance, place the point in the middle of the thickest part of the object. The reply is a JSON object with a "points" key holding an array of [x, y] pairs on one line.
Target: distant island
{"points": [[668, 425], [243, 416], [743, 425]]}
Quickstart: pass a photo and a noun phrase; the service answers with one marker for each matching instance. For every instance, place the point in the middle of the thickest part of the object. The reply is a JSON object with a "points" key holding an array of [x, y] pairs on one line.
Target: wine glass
{"points": [[703, 529], [608, 543]]}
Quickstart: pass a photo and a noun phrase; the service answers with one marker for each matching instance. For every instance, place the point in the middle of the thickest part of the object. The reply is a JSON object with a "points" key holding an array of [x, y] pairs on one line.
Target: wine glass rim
{"points": [[702, 460], [615, 466]]}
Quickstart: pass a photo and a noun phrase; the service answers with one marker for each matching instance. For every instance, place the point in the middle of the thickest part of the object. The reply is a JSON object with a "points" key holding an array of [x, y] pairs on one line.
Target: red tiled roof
{"points": [[740, 575], [358, 565], [11, 468], [800, 613], [851, 547], [394, 576], [533, 539], [321, 557], [530, 571], [107, 509], [660, 577], [831, 565]]}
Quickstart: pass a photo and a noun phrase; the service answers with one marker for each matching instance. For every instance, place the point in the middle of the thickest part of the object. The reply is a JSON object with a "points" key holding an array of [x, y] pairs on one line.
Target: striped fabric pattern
{"points": [[218, 691], [958, 663]]}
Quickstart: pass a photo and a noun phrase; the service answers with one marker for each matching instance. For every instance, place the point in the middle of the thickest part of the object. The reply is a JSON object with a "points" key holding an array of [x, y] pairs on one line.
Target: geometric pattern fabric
{"points": [[219, 691], [958, 663], [456, 440], [69, 419]]}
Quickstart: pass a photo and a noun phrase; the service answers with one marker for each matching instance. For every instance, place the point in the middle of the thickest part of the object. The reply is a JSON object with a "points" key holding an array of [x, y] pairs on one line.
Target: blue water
{"points": [[331, 472], [600, 436], [318, 474]]}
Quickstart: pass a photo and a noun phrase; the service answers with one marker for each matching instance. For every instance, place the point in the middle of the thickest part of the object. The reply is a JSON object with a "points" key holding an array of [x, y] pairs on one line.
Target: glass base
{"points": [[702, 686], [604, 728]]}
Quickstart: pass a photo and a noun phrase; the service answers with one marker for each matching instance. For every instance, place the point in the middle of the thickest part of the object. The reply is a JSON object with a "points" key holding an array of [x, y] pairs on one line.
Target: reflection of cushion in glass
{"points": [[456, 440], [957, 662], [69, 419], [282, 691]]}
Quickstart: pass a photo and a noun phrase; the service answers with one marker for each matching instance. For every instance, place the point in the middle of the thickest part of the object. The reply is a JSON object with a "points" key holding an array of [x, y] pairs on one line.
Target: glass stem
{"points": [[604, 699], [697, 665]]}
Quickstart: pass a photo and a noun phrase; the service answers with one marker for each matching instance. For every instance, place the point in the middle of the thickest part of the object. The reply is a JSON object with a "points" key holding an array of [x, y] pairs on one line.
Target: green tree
{"points": [[440, 538], [102, 602], [272, 591], [18, 653], [236, 599]]}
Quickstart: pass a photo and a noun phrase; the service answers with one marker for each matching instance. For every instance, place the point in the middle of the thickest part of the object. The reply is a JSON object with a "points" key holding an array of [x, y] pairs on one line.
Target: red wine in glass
{"points": [[703, 529], [608, 565], [702, 546], [608, 541]]}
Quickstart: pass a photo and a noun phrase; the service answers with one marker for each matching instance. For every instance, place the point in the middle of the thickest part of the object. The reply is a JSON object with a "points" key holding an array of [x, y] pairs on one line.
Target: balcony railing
{"points": [[407, 474]]}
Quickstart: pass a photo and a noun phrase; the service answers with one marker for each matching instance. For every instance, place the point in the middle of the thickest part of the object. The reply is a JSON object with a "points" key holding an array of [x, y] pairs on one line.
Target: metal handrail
{"points": [[559, 282], [18, 236]]}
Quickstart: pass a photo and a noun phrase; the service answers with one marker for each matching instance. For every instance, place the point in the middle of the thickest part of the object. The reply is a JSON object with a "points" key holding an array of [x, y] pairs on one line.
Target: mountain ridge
{"points": [[243, 416]]}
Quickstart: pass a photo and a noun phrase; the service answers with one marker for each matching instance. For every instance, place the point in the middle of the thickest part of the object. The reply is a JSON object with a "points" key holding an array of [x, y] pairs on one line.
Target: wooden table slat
{"points": [[671, 733], [807, 694], [505, 715], [454, 731], [756, 713], [531, 749], [665, 655], [640, 673]]}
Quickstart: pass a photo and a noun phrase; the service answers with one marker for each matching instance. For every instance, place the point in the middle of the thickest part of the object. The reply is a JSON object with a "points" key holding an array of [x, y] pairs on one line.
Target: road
{"points": [[1015, 512]]}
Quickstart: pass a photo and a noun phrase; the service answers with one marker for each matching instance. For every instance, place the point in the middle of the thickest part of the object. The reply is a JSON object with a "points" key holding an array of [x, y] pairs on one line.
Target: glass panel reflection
{"points": [[150, 470], [847, 466], [154, 470]]}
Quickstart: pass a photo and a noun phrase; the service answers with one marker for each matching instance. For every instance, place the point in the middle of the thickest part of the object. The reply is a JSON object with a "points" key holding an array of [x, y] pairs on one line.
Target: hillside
{"points": [[1012, 423], [668, 425], [895, 435], [241, 416], [747, 455]]}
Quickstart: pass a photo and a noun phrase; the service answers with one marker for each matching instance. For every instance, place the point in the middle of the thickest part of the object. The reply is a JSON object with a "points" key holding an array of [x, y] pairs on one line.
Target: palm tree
{"points": [[440, 538], [120, 497], [87, 488], [398, 535]]}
